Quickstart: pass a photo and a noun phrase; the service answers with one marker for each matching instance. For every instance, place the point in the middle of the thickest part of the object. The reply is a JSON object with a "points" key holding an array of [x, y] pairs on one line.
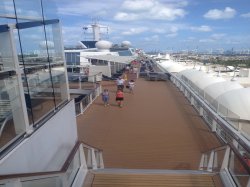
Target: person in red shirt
{"points": [[119, 97]]}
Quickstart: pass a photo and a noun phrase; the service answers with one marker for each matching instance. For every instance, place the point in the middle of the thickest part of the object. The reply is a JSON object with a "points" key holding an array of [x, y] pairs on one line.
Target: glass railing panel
{"points": [[59, 83], [49, 8], [30, 10], [37, 79], [6, 53], [85, 102], [39, 95], [237, 170], [54, 43], [78, 108], [218, 159], [6, 10], [12, 123], [44, 182], [73, 168]]}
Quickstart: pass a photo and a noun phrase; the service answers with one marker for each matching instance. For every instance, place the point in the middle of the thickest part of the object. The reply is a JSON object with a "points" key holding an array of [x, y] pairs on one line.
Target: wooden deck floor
{"points": [[156, 129]]}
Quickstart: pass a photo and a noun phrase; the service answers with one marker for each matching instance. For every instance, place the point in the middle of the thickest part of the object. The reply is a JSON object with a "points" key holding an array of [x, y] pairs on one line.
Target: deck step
{"points": [[152, 180]]}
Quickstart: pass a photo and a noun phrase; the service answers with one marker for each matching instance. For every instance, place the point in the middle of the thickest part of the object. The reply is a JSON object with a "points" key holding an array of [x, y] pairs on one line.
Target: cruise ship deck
{"points": [[157, 128]]}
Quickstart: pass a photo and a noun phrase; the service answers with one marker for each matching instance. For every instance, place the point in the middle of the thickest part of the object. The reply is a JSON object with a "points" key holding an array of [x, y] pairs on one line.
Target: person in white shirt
{"points": [[120, 83], [131, 85]]}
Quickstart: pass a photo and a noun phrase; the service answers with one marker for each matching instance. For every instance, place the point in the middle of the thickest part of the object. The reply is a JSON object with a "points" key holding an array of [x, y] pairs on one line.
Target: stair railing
{"points": [[72, 174], [233, 167]]}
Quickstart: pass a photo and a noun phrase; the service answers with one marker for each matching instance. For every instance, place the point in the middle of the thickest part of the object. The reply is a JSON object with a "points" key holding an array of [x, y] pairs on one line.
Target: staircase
{"points": [[152, 178]]}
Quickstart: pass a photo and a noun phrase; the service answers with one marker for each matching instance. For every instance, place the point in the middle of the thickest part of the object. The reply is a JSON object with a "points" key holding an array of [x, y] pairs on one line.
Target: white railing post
{"points": [[192, 100], [214, 125], [210, 162], [225, 159], [81, 107], [201, 166], [101, 160], [94, 162], [201, 111], [90, 98], [215, 164], [89, 159], [83, 157]]}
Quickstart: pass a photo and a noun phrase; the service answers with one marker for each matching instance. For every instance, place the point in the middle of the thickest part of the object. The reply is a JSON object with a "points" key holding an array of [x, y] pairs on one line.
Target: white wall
{"points": [[47, 148]]}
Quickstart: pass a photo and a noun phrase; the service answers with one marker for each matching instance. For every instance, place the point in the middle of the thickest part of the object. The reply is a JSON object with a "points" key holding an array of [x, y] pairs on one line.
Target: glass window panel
{"points": [[56, 55], [7, 10], [28, 10], [12, 121], [38, 86], [49, 7], [59, 83], [6, 55]]}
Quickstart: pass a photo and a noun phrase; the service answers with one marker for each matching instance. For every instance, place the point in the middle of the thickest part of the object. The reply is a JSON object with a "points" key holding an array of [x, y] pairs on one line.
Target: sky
{"points": [[154, 25], [162, 24]]}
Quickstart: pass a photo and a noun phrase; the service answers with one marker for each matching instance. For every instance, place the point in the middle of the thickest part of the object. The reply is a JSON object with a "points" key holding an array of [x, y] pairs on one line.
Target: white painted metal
{"points": [[94, 161], [50, 145], [101, 160], [210, 162], [225, 159], [201, 165]]}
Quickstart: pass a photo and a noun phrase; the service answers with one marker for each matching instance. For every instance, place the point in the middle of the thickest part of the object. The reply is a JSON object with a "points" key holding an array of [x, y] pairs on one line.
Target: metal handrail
{"points": [[218, 148], [90, 146], [221, 121], [7, 118], [61, 171]]}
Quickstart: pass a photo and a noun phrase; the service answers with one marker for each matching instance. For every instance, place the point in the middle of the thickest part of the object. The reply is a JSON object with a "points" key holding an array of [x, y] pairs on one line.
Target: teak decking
{"points": [[157, 128]]}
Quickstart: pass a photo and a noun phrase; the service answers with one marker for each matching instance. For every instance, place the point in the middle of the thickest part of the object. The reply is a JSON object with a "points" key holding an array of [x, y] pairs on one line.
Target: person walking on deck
{"points": [[119, 97], [131, 85], [105, 97], [120, 83]]}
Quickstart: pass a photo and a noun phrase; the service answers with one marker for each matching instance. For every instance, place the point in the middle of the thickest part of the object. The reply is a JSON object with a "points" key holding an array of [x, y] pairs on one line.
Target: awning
{"points": [[113, 58]]}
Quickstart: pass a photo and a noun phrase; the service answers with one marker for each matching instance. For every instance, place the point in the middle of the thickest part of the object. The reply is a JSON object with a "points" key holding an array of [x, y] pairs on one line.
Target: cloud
{"points": [[150, 9], [123, 16], [93, 8], [247, 15], [71, 34], [172, 35], [216, 14], [133, 31], [138, 5], [153, 38], [203, 28], [217, 36], [207, 40]]}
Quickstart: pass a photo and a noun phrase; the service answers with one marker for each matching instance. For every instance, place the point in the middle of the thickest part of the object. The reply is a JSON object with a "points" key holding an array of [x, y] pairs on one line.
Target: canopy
{"points": [[235, 103]]}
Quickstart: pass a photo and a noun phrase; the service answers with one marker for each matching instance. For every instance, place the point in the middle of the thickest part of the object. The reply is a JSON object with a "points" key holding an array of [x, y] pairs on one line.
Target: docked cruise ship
{"points": [[181, 127]]}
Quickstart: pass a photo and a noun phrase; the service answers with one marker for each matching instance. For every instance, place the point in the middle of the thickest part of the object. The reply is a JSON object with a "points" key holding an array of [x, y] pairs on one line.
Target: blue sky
{"points": [[162, 24], [154, 24]]}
